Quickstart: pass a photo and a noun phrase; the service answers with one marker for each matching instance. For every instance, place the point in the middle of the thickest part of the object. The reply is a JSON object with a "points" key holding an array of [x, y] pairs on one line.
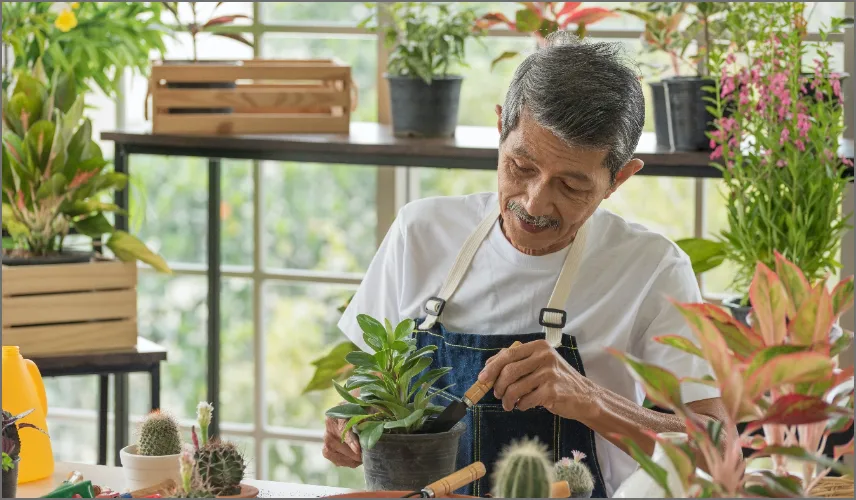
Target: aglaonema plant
{"points": [[394, 388], [54, 175], [778, 375]]}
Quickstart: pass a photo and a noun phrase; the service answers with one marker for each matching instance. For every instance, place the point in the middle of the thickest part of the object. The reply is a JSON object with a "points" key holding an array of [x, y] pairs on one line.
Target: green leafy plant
{"points": [[778, 374], [159, 435], [542, 18], [54, 174], [426, 40], [776, 143], [394, 393], [11, 439], [575, 472], [196, 26], [92, 42], [524, 470], [333, 365]]}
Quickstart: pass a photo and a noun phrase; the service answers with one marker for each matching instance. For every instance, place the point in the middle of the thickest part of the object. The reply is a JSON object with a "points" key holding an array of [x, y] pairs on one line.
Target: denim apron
{"points": [[489, 427]]}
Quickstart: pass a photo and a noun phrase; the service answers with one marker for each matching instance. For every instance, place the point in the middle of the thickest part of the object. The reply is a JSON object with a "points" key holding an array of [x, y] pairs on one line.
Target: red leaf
{"points": [[661, 385], [814, 319], [800, 367], [567, 8], [794, 409], [712, 344], [237, 37], [742, 340], [842, 296], [794, 281], [770, 304], [494, 18], [588, 16], [224, 20], [679, 342]]}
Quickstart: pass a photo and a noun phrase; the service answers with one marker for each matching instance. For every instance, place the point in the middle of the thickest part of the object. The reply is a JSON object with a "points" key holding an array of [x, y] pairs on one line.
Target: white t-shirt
{"points": [[619, 298]]}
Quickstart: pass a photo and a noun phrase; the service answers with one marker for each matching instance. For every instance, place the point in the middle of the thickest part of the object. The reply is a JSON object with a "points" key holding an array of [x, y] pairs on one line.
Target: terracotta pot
{"points": [[247, 491]]}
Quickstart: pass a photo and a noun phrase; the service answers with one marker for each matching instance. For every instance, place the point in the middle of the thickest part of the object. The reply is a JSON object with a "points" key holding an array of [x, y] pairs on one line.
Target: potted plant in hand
{"points": [[778, 374], [155, 457], [427, 44], [391, 408], [539, 19], [196, 27], [777, 148], [11, 445]]}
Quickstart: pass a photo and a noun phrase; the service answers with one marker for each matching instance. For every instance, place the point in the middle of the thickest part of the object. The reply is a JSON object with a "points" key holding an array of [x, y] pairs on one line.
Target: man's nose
{"points": [[538, 203]]}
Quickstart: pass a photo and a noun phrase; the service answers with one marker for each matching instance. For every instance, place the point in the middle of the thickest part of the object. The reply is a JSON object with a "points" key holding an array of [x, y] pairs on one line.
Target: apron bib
{"points": [[489, 427]]}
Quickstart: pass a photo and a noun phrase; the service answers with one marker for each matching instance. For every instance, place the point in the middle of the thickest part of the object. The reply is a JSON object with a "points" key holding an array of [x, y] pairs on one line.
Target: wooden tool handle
{"points": [[450, 483], [479, 389], [165, 487], [560, 489]]}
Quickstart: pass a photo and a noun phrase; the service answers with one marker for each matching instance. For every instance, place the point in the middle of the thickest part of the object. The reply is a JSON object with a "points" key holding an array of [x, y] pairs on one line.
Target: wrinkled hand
{"points": [[534, 374], [345, 454]]}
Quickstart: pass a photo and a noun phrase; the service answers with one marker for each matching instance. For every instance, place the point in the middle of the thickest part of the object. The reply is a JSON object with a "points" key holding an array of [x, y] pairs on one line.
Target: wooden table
{"points": [[113, 478], [145, 357]]}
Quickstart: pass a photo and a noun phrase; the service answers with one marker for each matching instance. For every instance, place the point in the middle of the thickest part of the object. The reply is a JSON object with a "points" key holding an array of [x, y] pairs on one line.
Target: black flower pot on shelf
{"points": [[424, 110], [199, 85], [687, 114], [661, 120], [10, 480]]}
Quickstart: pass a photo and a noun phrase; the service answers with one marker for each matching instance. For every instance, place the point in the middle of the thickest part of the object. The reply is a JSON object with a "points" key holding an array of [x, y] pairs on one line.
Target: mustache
{"points": [[537, 221]]}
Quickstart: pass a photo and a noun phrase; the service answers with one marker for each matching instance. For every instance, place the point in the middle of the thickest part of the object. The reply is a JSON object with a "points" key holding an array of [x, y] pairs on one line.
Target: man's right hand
{"points": [[345, 454]]}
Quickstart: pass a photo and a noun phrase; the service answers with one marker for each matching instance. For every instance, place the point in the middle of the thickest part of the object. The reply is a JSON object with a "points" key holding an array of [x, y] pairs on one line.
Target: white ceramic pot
{"points": [[143, 471], [640, 485]]}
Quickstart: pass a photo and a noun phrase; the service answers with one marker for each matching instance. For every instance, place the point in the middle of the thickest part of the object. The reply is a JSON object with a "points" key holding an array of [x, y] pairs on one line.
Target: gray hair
{"points": [[585, 92]]}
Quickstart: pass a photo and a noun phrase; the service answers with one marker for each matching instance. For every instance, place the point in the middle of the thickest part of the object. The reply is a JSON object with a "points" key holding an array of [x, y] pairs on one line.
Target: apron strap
{"points": [[553, 317], [434, 306]]}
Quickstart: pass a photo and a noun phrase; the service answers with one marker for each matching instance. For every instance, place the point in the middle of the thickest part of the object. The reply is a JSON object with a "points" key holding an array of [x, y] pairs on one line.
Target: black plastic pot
{"points": [[688, 117], [423, 110], [738, 311], [10, 480], [661, 119], [411, 461], [199, 85], [64, 257]]}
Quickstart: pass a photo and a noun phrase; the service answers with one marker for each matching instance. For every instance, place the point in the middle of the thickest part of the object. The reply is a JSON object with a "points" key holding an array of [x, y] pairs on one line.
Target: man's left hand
{"points": [[534, 374]]}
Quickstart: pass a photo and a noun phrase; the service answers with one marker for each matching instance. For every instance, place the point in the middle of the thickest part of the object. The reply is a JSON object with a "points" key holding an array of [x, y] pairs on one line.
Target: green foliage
{"points": [[426, 40], [575, 472], [8, 463], [54, 174], [159, 435], [524, 470], [221, 467], [109, 38], [393, 396]]}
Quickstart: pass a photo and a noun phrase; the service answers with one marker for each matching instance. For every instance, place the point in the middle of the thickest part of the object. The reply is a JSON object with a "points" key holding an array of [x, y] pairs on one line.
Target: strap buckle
{"points": [[434, 306], [542, 319]]}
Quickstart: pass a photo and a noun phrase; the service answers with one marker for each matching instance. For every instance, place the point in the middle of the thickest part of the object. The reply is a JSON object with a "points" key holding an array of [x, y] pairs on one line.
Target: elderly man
{"points": [[541, 263]]}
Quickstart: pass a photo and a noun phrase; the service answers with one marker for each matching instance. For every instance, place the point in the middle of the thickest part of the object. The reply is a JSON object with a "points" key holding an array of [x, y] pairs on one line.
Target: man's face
{"points": [[547, 190]]}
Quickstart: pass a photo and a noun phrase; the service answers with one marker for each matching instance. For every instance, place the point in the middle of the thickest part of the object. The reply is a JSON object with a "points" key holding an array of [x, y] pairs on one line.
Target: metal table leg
{"points": [[155, 386], [120, 424], [214, 196], [103, 409]]}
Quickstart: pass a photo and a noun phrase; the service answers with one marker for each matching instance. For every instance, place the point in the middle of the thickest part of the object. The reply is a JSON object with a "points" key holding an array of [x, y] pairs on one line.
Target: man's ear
{"points": [[626, 172], [498, 110]]}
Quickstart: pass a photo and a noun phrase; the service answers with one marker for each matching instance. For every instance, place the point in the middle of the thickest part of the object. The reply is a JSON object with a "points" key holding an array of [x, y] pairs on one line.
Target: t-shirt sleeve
{"points": [[676, 281], [379, 292]]}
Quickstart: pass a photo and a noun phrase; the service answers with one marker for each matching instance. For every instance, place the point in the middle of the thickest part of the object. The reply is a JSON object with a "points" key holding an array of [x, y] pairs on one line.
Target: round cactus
{"points": [[159, 435], [576, 473], [524, 470], [221, 467]]}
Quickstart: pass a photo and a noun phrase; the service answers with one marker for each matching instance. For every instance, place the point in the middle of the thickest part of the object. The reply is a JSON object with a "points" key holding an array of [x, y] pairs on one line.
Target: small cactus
{"points": [[221, 467], [524, 470], [576, 473], [159, 435]]}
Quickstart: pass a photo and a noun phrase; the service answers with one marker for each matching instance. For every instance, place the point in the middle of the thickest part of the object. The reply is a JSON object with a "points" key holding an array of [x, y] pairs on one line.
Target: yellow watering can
{"points": [[23, 390]]}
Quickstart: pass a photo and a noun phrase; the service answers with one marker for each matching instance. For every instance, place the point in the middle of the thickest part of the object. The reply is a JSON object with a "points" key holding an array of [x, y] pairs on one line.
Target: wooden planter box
{"points": [[63, 308], [267, 97]]}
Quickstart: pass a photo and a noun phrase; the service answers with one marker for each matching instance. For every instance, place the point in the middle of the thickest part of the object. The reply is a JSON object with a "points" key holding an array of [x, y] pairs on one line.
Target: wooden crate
{"points": [[269, 97], [63, 308]]}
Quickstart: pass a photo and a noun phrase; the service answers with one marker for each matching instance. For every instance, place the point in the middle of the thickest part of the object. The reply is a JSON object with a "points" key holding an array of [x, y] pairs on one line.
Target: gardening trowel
{"points": [[445, 486], [458, 409]]}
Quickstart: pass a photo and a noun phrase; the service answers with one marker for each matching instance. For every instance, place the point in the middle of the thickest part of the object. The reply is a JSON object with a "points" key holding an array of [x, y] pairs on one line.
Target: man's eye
{"points": [[521, 168]]}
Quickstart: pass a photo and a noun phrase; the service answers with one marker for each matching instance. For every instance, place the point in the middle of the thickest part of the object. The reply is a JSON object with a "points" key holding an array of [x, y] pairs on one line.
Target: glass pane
{"points": [[139, 395], [207, 10], [237, 380], [75, 440], [820, 14], [169, 196], [300, 325], [836, 63], [79, 393], [303, 463], [172, 312], [314, 13], [247, 446], [318, 216], [454, 182], [717, 281], [662, 204], [236, 212], [358, 51]]}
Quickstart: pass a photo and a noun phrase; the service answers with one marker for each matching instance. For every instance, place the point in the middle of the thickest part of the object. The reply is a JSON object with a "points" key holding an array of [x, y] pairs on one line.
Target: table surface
{"points": [[113, 478], [145, 353]]}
